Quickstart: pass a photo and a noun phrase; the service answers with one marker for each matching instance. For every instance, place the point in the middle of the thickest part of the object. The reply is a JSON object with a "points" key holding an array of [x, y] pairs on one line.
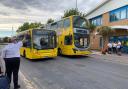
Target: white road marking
{"points": [[29, 84]]}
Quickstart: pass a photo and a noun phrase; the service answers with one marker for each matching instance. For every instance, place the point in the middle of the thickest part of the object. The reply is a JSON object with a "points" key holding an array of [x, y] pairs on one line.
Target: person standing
{"points": [[119, 48], [109, 47], [11, 55], [114, 47]]}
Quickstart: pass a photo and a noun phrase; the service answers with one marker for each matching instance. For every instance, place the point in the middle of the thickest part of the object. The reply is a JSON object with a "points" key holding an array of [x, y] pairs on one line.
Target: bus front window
{"points": [[80, 40], [44, 41], [79, 22]]}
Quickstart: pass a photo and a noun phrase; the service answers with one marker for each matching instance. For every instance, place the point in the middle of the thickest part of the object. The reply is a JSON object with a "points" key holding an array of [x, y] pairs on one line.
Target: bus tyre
{"points": [[24, 54], [59, 52]]}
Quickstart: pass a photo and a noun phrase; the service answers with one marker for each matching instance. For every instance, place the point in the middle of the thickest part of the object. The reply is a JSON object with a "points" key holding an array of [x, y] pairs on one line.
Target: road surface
{"points": [[75, 73], [94, 72]]}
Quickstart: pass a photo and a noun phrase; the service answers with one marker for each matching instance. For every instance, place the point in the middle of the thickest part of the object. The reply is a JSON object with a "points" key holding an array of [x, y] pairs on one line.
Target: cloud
{"points": [[20, 11]]}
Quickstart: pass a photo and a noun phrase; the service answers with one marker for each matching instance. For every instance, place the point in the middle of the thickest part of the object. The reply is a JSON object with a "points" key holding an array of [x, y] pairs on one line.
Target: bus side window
{"points": [[60, 24], [68, 40], [20, 37], [66, 23], [27, 43], [54, 26]]}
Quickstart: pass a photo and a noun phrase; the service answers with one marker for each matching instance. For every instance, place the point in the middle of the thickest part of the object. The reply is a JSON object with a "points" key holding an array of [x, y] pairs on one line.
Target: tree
{"points": [[34, 25], [27, 26], [50, 20], [6, 39], [105, 31], [73, 11], [24, 27], [90, 26]]}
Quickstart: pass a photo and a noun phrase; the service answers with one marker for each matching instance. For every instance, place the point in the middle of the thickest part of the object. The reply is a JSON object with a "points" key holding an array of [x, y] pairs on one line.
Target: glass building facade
{"points": [[119, 14], [97, 21]]}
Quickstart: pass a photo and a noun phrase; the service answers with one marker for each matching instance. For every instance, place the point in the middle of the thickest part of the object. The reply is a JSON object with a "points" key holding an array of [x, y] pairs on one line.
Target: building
{"points": [[112, 13]]}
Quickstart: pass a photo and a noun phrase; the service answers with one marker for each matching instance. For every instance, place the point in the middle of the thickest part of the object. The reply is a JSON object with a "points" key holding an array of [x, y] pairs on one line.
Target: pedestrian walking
{"points": [[11, 55], [109, 47]]}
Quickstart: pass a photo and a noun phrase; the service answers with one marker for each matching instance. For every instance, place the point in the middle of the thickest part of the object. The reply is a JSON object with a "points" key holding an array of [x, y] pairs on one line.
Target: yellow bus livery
{"points": [[39, 43], [73, 37]]}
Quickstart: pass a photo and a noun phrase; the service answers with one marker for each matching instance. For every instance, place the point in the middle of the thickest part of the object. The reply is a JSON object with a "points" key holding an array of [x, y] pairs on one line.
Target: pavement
{"points": [[112, 57]]}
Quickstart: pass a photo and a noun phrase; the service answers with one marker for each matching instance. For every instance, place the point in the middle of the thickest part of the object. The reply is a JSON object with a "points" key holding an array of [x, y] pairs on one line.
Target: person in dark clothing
{"points": [[11, 55], [12, 66]]}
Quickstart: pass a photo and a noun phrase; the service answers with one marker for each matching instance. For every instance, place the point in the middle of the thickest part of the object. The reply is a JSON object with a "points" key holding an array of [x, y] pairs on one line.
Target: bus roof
{"points": [[64, 18], [35, 29]]}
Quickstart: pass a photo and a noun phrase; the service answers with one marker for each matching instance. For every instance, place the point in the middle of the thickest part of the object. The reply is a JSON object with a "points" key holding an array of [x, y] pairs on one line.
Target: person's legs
{"points": [[16, 65], [115, 50], [8, 65], [108, 50], [119, 51]]}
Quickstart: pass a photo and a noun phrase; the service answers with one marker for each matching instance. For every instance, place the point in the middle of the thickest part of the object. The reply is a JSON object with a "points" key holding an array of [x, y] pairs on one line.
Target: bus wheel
{"points": [[59, 52], [24, 54]]}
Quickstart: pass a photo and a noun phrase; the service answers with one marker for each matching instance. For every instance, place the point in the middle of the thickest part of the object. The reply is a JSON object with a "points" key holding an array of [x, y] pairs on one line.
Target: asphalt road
{"points": [[75, 73]]}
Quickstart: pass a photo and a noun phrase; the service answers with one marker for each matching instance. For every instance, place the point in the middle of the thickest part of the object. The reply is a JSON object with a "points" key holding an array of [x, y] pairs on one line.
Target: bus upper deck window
{"points": [[66, 23]]}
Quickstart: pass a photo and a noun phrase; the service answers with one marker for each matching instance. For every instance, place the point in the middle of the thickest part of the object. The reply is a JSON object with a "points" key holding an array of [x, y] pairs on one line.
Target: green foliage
{"points": [[90, 26], [71, 12], [27, 26], [105, 31], [50, 20], [6, 39]]}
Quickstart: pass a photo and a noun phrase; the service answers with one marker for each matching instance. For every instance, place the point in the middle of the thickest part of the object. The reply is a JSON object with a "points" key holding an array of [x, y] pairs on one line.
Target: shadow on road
{"points": [[41, 60], [75, 57], [57, 58]]}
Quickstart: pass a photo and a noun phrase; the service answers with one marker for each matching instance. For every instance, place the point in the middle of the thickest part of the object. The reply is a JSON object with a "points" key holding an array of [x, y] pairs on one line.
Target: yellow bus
{"points": [[73, 37], [39, 43]]}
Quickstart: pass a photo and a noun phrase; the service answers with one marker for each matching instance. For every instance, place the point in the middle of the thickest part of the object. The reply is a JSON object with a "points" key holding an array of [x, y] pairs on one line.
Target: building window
{"points": [[127, 12], [123, 14], [97, 21], [119, 14]]}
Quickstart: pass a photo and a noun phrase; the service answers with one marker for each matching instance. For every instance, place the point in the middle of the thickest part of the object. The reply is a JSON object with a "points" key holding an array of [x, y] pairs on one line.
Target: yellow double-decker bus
{"points": [[73, 37], [39, 43]]}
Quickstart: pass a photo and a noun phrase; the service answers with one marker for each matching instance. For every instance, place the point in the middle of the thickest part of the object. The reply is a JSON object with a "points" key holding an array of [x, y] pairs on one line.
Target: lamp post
{"points": [[12, 30], [76, 5]]}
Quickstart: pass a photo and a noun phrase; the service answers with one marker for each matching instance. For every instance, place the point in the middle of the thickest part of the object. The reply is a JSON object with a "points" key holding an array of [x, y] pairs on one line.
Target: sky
{"points": [[16, 12]]}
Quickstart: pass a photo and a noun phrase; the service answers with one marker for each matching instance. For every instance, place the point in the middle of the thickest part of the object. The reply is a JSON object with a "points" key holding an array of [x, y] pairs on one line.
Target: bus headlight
{"points": [[74, 50]]}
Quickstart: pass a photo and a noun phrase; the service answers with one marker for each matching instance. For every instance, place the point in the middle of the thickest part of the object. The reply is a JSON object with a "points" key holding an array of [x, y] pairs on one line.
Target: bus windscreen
{"points": [[44, 40]]}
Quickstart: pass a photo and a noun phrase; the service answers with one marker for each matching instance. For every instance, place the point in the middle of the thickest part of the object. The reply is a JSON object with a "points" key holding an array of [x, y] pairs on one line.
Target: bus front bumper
{"points": [[44, 54]]}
